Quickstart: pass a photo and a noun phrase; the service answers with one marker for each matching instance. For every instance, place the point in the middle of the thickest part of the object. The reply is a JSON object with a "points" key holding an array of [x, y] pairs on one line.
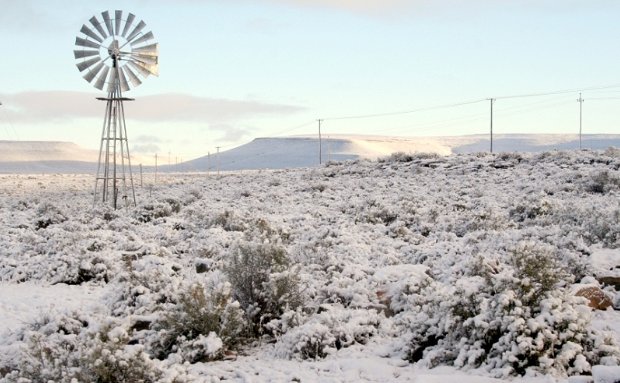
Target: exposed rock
{"points": [[597, 298], [610, 281]]}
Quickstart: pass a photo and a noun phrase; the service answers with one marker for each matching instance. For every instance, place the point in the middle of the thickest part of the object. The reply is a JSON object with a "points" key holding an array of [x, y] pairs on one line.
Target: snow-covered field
{"points": [[417, 268]]}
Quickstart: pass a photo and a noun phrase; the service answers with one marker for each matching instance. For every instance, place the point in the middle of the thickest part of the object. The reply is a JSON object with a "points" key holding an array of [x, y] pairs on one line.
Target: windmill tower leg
{"points": [[114, 181]]}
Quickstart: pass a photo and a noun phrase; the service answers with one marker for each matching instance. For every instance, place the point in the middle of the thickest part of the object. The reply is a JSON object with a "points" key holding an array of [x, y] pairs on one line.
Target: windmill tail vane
{"points": [[114, 52]]}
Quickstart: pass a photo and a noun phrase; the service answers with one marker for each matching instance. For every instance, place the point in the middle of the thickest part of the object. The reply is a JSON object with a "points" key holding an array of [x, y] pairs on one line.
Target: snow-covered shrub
{"points": [[327, 332], [152, 211], [602, 227], [508, 314], [82, 268], [530, 209], [408, 157], [260, 230], [228, 221], [145, 283], [603, 182], [48, 214], [67, 348], [201, 326], [264, 282]]}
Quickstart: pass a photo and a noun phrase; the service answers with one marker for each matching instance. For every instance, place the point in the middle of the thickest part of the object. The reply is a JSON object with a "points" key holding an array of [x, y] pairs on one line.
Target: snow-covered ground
{"points": [[412, 269]]}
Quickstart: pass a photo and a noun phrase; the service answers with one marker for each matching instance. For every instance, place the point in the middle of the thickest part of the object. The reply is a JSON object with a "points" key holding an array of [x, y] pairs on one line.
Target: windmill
{"points": [[114, 54]]}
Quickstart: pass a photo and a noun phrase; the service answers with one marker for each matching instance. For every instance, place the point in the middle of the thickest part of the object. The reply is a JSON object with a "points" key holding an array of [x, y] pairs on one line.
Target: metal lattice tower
{"points": [[113, 52]]}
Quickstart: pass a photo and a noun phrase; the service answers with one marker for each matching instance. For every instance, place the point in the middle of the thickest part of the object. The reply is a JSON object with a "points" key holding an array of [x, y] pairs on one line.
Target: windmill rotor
{"points": [[114, 49]]}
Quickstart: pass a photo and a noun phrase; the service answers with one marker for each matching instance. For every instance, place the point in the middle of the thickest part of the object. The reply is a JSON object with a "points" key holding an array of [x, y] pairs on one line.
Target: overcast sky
{"points": [[234, 70]]}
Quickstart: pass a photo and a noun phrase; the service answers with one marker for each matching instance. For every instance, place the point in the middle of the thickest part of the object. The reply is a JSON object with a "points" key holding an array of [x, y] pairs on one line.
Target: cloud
{"points": [[176, 106], [59, 106], [146, 148], [230, 133], [147, 144], [149, 139]]}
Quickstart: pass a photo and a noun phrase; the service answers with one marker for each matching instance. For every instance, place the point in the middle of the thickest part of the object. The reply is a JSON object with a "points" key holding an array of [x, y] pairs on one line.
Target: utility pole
{"points": [[320, 143], [218, 160], [492, 100], [329, 150], [580, 100], [155, 168], [140, 175]]}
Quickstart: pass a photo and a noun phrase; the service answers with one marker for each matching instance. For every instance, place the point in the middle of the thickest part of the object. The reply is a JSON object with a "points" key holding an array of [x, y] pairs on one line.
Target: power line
{"points": [[295, 127], [385, 114], [604, 98], [559, 92], [404, 111]]}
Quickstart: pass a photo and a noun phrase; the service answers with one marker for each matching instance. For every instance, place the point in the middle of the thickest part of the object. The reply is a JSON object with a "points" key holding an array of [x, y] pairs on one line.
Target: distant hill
{"points": [[292, 152], [289, 152], [28, 151]]}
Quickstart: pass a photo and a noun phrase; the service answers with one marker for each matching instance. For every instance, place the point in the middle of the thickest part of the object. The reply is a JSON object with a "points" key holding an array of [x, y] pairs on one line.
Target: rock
{"points": [[610, 281], [598, 300]]}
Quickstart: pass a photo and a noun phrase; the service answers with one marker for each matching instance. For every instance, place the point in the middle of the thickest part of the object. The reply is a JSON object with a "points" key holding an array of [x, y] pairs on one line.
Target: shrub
{"points": [[146, 283], [327, 332], [228, 221], [508, 314], [48, 214], [603, 182], [152, 211], [408, 157], [201, 326], [65, 349], [264, 283]]}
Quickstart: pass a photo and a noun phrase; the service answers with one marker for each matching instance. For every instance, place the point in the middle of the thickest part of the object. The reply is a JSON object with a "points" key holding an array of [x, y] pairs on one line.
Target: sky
{"points": [[235, 70]]}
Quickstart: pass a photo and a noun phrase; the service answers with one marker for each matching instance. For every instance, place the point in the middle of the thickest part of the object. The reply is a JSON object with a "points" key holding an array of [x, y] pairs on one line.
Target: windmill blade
{"points": [[84, 53], [91, 74], [148, 50], [86, 43], [130, 19], [144, 58], [135, 81], [93, 20], [112, 80], [118, 17], [136, 30], [83, 65], [123, 80], [108, 22], [142, 39], [102, 77], [150, 68], [88, 32], [143, 71]]}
